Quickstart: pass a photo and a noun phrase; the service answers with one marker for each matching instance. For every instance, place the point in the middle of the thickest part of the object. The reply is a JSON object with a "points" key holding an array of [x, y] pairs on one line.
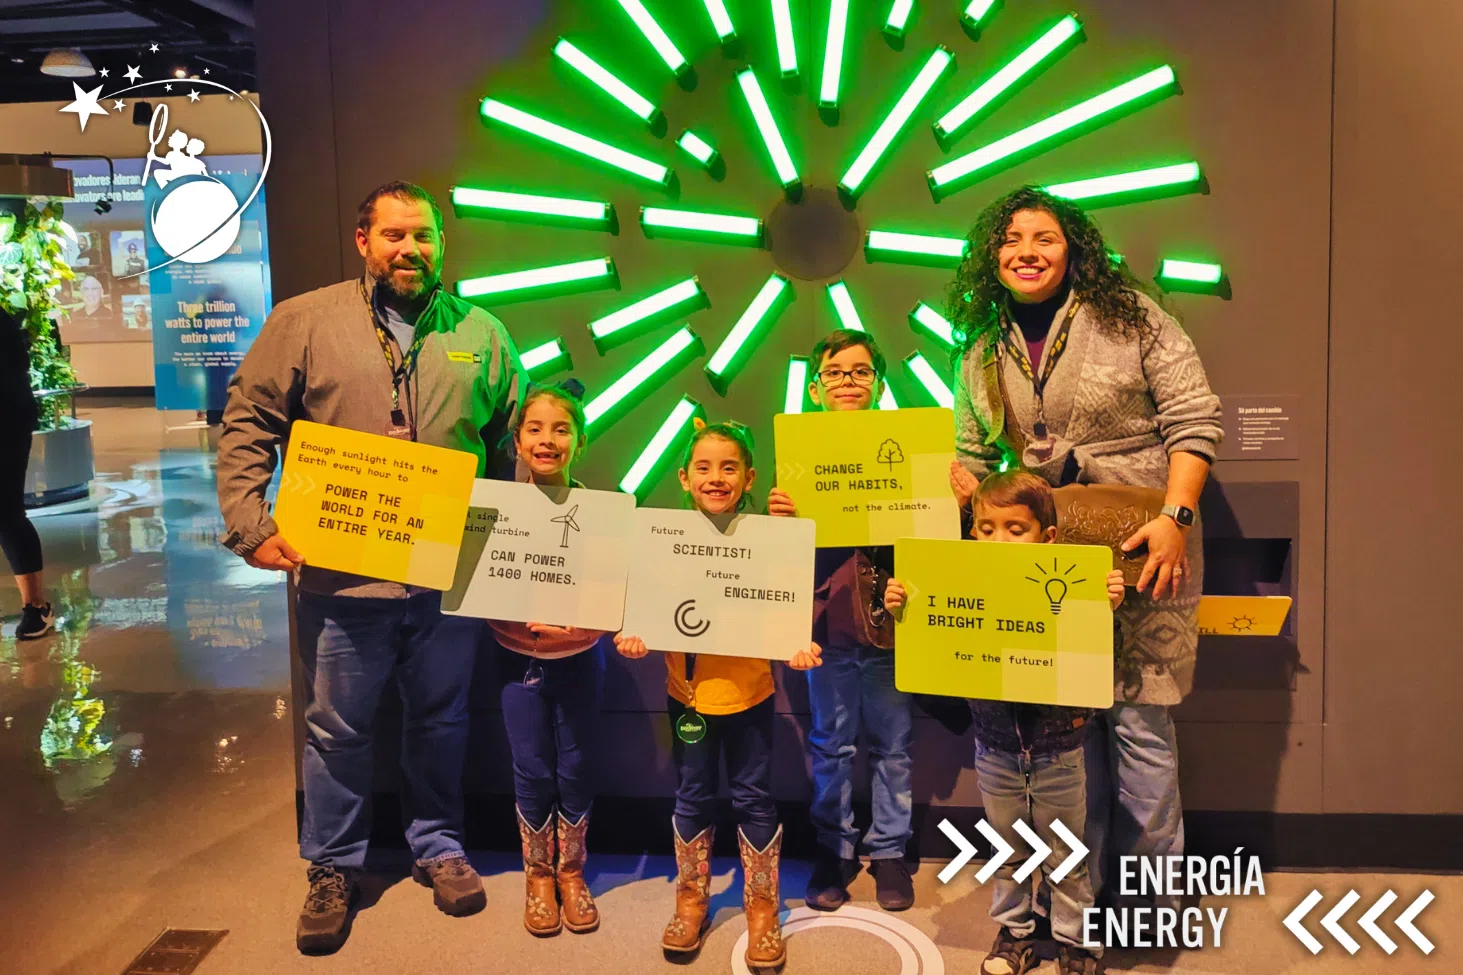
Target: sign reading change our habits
{"points": [[373, 505], [544, 555], [867, 477], [1005, 621], [740, 586]]}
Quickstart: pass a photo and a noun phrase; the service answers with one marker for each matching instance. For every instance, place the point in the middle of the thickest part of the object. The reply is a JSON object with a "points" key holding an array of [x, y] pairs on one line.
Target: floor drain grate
{"points": [[177, 951]]}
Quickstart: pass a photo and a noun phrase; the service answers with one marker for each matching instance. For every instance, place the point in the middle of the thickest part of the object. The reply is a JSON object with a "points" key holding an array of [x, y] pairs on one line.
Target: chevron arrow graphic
{"points": [[1331, 922], [1293, 919], [1002, 848], [1040, 851], [967, 851], [1404, 922], [1075, 845], [1368, 922]]}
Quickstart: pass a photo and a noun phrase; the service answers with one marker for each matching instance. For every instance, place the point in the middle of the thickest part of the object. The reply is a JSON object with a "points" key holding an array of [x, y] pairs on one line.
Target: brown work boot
{"points": [[576, 904], [325, 919], [456, 887], [759, 902], [693, 892], [541, 905]]}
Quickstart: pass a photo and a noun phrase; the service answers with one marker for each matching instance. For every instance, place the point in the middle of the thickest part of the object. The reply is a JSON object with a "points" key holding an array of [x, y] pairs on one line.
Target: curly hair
{"points": [[739, 435], [977, 296]]}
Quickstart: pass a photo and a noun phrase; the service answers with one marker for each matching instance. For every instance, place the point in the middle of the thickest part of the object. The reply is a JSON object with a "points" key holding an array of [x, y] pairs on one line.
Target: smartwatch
{"points": [[1183, 517]]}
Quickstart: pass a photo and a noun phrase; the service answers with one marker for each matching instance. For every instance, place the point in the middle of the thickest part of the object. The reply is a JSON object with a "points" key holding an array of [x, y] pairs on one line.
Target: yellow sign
{"points": [[1242, 615], [376, 506], [868, 477], [1005, 621]]}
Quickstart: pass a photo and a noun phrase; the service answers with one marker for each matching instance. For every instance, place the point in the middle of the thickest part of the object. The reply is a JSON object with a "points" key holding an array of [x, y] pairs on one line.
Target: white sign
{"points": [[534, 554], [740, 587]]}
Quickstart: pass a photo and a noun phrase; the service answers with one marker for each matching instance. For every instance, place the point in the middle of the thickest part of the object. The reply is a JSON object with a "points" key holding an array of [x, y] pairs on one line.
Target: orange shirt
{"points": [[720, 685]]}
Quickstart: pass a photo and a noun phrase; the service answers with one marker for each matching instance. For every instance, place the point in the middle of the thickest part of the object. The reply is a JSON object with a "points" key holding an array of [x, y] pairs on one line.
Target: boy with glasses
{"points": [[854, 690]]}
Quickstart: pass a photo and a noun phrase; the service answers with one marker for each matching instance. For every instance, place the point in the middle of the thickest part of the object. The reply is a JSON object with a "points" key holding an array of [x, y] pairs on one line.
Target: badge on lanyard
{"points": [[398, 428], [690, 726], [1044, 444]]}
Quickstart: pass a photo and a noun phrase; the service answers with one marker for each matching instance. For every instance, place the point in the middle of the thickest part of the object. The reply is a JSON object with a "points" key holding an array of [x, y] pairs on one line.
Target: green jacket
{"points": [[317, 358]]}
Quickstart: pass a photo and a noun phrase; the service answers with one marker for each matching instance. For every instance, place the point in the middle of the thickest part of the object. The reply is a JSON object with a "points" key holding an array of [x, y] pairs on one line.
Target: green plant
{"points": [[31, 274]]}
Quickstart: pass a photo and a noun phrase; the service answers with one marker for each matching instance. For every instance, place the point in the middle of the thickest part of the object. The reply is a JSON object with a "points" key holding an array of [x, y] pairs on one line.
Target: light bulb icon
{"points": [[1056, 591]]}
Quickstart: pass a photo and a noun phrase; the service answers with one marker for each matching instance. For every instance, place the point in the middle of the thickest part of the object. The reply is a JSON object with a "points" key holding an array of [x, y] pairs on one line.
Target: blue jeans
{"points": [[1133, 806], [1015, 786], [854, 691], [745, 739], [350, 647], [553, 729]]}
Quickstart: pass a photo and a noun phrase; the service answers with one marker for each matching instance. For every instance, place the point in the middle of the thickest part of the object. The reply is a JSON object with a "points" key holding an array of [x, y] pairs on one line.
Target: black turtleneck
{"points": [[1035, 319]]}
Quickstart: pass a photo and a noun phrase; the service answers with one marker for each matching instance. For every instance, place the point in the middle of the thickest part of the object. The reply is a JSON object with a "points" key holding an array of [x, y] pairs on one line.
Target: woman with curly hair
{"points": [[1069, 367]]}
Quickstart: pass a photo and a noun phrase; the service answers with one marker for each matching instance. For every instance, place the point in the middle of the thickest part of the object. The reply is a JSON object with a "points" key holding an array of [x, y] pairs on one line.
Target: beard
{"points": [[381, 271]]}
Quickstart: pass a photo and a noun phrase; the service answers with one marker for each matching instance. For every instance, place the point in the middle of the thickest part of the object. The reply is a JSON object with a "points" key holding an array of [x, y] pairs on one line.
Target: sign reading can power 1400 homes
{"points": [[868, 477], [554, 555], [739, 585], [372, 505], [1005, 622]]}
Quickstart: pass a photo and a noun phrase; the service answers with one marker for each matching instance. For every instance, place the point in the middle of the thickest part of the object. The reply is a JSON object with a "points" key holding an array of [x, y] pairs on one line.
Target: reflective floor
{"points": [[146, 781]]}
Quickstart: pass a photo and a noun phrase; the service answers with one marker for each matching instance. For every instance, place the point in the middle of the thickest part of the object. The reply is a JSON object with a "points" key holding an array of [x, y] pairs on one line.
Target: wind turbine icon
{"points": [[568, 521]]}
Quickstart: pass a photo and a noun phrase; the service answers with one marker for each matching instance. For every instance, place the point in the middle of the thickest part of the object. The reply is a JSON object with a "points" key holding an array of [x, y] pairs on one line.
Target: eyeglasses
{"points": [[860, 376]]}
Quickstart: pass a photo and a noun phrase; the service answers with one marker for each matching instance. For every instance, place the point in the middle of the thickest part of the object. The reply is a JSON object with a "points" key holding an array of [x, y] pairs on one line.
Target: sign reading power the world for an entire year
{"points": [[868, 477], [373, 505], [1005, 622], [535, 554], [740, 586]]}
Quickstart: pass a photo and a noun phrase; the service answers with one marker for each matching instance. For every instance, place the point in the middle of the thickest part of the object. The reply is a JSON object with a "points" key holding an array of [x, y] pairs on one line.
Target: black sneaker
{"points": [[35, 621], [893, 884], [828, 886], [325, 918]]}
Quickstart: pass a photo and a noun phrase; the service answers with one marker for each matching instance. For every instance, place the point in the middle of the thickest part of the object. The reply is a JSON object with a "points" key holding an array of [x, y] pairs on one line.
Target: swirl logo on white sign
{"points": [[918, 955]]}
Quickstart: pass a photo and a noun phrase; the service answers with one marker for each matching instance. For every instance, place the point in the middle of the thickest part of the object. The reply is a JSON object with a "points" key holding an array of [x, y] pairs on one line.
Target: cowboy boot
{"points": [[760, 896], [540, 906], [693, 892], [576, 904]]}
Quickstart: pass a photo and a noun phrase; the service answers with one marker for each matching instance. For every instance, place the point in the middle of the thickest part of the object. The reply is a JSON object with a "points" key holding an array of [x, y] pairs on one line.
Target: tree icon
{"points": [[890, 453]]}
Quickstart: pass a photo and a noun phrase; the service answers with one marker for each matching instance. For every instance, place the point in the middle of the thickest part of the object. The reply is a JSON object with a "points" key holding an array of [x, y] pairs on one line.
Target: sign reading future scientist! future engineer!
{"points": [[740, 587], [373, 505]]}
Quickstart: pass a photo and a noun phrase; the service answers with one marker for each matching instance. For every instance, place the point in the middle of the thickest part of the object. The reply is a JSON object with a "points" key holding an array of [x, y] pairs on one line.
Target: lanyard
{"points": [[408, 363], [1038, 384]]}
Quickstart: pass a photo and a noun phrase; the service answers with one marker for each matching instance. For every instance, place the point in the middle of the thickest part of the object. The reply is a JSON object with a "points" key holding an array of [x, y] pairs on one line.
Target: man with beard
{"points": [[391, 353]]}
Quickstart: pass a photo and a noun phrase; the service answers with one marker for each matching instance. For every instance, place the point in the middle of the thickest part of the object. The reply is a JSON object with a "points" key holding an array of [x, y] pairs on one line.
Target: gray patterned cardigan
{"points": [[1119, 404]]}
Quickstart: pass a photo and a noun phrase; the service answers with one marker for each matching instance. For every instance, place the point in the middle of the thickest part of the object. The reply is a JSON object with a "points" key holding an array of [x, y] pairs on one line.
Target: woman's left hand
{"points": [[807, 659], [1168, 560]]}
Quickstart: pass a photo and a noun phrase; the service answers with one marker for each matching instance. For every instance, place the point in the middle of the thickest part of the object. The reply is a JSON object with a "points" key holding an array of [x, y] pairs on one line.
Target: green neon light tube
{"points": [[594, 214], [1193, 272], [843, 308], [787, 50], [925, 319], [640, 380], [884, 245], [833, 54], [606, 82], [939, 62], [539, 282], [1161, 81], [975, 12], [659, 454], [658, 39], [665, 222], [886, 399], [787, 173], [569, 139], [1021, 68], [898, 20], [735, 349], [546, 359], [797, 383], [638, 317], [1136, 183], [698, 148], [721, 21], [925, 375]]}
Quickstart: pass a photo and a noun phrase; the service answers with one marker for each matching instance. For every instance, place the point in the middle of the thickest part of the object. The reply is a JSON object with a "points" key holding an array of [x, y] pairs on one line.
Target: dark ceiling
{"points": [[190, 34]]}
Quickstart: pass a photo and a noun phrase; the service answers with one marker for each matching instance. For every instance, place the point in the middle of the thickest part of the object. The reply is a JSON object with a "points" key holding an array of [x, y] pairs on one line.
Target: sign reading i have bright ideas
{"points": [[933, 105]]}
